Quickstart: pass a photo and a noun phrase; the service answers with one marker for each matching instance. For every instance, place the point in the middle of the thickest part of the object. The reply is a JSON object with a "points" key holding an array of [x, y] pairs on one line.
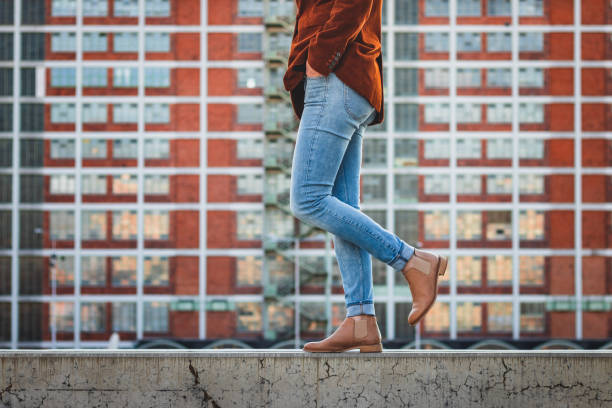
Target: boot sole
{"points": [[442, 263], [366, 348]]}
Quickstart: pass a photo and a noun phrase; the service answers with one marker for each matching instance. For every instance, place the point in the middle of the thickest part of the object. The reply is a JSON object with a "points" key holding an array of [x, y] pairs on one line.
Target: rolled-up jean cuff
{"points": [[406, 251], [364, 308]]}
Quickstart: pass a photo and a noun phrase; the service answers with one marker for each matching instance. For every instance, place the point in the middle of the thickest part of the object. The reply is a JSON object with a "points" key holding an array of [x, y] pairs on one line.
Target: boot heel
{"points": [[442, 266], [371, 348]]}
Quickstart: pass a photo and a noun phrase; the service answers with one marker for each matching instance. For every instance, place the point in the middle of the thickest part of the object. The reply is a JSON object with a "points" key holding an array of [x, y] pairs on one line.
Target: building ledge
{"points": [[291, 377]]}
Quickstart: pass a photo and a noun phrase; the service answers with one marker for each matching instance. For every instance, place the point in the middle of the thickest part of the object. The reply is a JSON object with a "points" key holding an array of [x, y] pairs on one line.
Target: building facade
{"points": [[145, 153]]}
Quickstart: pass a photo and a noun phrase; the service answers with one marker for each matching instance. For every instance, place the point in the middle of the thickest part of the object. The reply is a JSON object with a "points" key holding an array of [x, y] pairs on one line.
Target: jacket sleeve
{"points": [[346, 20]]}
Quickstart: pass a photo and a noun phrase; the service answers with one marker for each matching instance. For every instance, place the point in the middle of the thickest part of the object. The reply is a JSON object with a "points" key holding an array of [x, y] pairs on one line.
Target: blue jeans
{"points": [[325, 186]]}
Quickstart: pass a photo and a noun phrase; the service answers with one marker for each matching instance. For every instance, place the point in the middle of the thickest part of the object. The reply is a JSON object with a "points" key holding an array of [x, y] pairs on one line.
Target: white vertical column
{"points": [[140, 164], [578, 168], [389, 116], [202, 256], [452, 162], [77, 173], [516, 312], [15, 174]]}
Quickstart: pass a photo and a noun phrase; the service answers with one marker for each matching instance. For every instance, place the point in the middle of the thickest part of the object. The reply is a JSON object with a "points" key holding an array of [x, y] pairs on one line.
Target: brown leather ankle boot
{"points": [[359, 331], [421, 272]]}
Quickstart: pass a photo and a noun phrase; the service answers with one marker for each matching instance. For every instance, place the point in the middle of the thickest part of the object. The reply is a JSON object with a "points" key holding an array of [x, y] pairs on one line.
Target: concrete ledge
{"points": [[293, 378]]}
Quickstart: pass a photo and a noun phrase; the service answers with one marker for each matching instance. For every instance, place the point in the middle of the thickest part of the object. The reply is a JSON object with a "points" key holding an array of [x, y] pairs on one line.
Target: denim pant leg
{"points": [[333, 113]]}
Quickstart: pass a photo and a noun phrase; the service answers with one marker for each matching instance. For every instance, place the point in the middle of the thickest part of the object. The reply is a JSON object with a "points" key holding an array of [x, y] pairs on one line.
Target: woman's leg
{"points": [[333, 112]]}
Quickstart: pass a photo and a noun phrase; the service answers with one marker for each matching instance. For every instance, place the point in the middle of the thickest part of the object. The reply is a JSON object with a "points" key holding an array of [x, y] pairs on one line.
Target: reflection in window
{"points": [[62, 149], [438, 318], [531, 183], [93, 271], [531, 224], [499, 270], [63, 77], [249, 42], [125, 225], [435, 77], [499, 77], [499, 183], [248, 270], [248, 316], [531, 270], [406, 152], [156, 271], [157, 42], [531, 8], [157, 8], [61, 184], [406, 188], [499, 42], [407, 81], [157, 113], [498, 8], [437, 184], [436, 8], [469, 270], [374, 188], [469, 225], [64, 316], [64, 271], [124, 316], [531, 41], [125, 184], [249, 184], [533, 317], [155, 317], [157, 77], [125, 149], [468, 42], [375, 152], [157, 149], [531, 112], [468, 77], [62, 112], [437, 112], [93, 184], [469, 184], [468, 8], [94, 113], [123, 271], [250, 77], [125, 8], [250, 8], [469, 112], [436, 225], [499, 148], [93, 225], [93, 317], [469, 316], [531, 77], [156, 184], [249, 225], [437, 149], [125, 77], [436, 42], [95, 8], [499, 225], [468, 148], [125, 42], [61, 225], [63, 42], [93, 148], [406, 225], [95, 42], [156, 224], [406, 116], [61, 8], [125, 113], [249, 113], [249, 148], [531, 148], [499, 113], [499, 316]]}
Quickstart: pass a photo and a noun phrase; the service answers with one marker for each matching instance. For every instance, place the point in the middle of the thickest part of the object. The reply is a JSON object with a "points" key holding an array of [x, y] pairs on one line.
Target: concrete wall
{"points": [[293, 378]]}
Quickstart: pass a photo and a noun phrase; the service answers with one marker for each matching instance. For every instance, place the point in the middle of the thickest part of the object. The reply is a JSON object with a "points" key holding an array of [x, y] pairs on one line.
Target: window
{"points": [[406, 188], [498, 7], [61, 184], [94, 148], [93, 225], [437, 225], [374, 188], [156, 271], [468, 77], [531, 270], [249, 184], [249, 113], [406, 152], [6, 82], [469, 316], [157, 77], [157, 8], [124, 316], [125, 112], [437, 112], [531, 41], [499, 77], [406, 116], [499, 112], [156, 224], [94, 113], [531, 8], [499, 148], [156, 184], [94, 42], [469, 225], [531, 224], [499, 270], [469, 270], [249, 149], [436, 8], [499, 184], [64, 316], [499, 225], [436, 42], [469, 113], [126, 8], [123, 273], [533, 317], [6, 117], [406, 46], [249, 318], [248, 270], [93, 184], [32, 115], [250, 77], [531, 184], [125, 77], [62, 112], [93, 317], [250, 8], [125, 184], [438, 318], [62, 149], [63, 77], [468, 8], [61, 225], [374, 152], [531, 148], [468, 148], [63, 42], [468, 42], [531, 112], [499, 42], [157, 149], [531, 77], [406, 12], [249, 224], [249, 42], [406, 81], [94, 76], [95, 8], [125, 225], [437, 184], [155, 317], [499, 316], [61, 8], [125, 42], [125, 149], [157, 42], [436, 78], [157, 113], [437, 149]]}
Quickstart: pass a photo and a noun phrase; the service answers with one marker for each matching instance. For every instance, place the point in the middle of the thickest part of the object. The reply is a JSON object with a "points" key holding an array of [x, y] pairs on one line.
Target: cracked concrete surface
{"points": [[293, 378]]}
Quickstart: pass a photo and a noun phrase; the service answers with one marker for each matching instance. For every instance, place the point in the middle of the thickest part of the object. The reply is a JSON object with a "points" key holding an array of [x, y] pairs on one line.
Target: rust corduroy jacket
{"points": [[343, 36]]}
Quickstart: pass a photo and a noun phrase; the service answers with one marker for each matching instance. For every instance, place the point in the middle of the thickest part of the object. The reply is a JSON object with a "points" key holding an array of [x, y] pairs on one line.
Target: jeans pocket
{"points": [[356, 106], [315, 88]]}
